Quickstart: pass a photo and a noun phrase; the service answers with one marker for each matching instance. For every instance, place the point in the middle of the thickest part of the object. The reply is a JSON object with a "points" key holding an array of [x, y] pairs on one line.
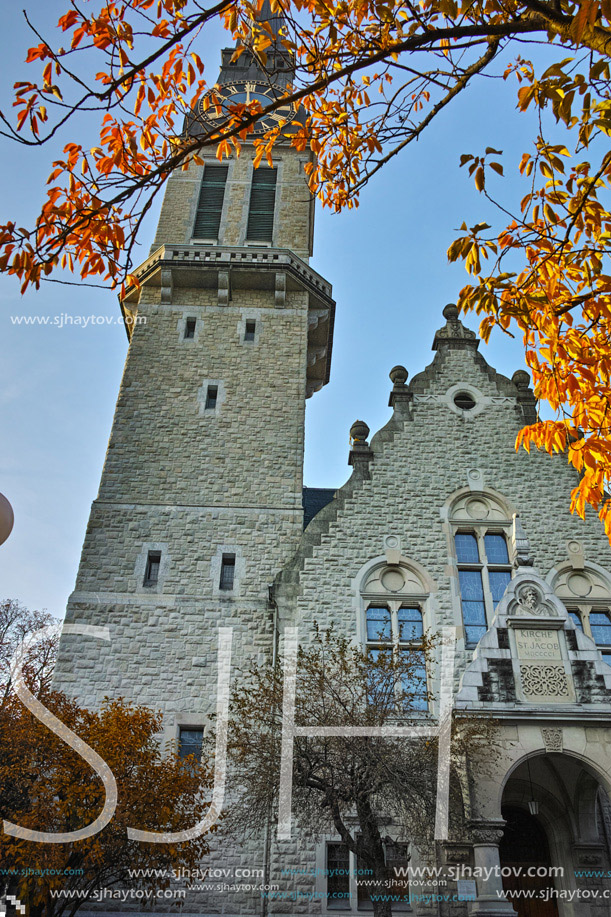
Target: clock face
{"points": [[225, 97]]}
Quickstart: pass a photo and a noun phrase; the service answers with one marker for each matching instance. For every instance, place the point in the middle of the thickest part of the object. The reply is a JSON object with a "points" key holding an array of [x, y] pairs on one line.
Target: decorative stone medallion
{"points": [[477, 508], [579, 584], [393, 580]]}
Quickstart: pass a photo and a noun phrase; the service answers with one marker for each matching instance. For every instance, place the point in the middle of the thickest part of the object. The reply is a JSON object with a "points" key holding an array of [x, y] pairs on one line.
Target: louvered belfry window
{"points": [[210, 204], [262, 201]]}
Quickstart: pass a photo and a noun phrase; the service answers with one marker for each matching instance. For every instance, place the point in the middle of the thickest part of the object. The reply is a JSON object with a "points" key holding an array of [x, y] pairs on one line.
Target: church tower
{"points": [[200, 502]]}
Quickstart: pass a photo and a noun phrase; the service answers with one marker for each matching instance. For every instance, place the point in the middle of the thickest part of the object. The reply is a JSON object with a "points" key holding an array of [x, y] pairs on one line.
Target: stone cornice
{"points": [[228, 268]]}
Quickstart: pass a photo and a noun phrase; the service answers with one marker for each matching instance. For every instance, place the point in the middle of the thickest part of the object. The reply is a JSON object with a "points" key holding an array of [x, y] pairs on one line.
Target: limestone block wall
{"points": [[166, 448]]}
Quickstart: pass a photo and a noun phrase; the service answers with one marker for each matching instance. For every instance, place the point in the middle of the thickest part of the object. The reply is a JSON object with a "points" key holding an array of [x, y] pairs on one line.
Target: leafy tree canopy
{"points": [[369, 77]]}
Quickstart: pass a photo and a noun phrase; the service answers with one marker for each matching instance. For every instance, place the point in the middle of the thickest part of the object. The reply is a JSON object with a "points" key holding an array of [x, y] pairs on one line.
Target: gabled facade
{"points": [[443, 516]]}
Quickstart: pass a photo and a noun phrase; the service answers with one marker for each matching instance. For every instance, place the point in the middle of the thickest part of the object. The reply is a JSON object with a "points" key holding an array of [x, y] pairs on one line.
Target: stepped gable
{"points": [[404, 399]]}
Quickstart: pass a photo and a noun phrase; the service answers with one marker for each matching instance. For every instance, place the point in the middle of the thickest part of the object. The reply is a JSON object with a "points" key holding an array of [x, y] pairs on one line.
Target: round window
{"points": [[464, 401]]}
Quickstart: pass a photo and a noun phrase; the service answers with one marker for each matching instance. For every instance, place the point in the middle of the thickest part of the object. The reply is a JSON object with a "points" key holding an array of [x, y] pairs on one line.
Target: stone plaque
{"points": [[541, 666], [466, 890], [537, 644]]}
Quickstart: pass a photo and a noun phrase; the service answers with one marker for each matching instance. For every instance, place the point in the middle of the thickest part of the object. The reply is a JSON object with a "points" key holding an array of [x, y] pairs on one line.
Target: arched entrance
{"points": [[524, 848], [558, 821]]}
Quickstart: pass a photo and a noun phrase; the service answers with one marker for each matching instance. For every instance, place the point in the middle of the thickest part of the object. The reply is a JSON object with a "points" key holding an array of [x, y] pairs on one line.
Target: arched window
{"points": [[393, 599], [587, 595], [481, 527]]}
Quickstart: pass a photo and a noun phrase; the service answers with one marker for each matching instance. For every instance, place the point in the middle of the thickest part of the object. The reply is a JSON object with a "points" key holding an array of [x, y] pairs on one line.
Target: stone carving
{"points": [[590, 859], [530, 602], [530, 599], [544, 681], [223, 288], [457, 853], [486, 832], [521, 544], [475, 479], [538, 645], [576, 554], [552, 739]]}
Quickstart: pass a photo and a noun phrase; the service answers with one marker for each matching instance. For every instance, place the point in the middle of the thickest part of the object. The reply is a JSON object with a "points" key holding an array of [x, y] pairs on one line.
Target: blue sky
{"points": [[387, 263]]}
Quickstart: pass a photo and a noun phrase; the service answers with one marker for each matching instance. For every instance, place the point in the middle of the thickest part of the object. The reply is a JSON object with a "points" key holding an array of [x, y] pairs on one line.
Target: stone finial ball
{"points": [[521, 379], [398, 375], [6, 519], [359, 431], [450, 312]]}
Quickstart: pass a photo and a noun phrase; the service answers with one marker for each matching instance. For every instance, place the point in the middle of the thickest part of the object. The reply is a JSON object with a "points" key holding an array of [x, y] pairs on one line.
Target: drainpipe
{"points": [[268, 825]]}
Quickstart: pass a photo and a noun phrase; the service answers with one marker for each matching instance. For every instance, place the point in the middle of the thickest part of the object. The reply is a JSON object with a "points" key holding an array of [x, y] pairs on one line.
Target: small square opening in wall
{"points": [[212, 393], [190, 741], [151, 572], [190, 324], [227, 572], [249, 330]]}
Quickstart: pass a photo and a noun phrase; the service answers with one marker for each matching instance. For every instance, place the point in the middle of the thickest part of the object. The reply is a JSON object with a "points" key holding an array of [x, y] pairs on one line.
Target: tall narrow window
{"points": [[190, 741], [484, 572], [210, 203], [341, 865], [600, 625], [338, 877], [211, 397], [379, 628], [410, 632], [227, 572], [397, 860], [400, 631], [576, 619], [190, 324], [262, 202], [249, 330], [151, 572]]}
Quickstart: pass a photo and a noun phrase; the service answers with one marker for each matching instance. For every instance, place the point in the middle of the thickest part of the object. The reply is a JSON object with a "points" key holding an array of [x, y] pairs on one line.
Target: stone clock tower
{"points": [[200, 503]]}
